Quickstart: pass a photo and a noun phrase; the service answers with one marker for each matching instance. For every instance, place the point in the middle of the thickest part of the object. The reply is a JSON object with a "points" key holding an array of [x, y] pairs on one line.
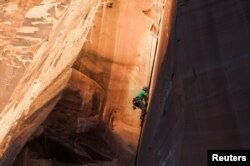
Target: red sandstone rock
{"points": [[37, 58]]}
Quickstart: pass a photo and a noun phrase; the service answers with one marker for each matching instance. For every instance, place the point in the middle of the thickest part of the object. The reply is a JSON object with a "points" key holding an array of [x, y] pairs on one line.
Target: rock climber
{"points": [[140, 101]]}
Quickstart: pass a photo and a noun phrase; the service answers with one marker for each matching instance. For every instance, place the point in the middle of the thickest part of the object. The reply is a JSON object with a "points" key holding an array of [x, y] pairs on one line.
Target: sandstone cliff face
{"points": [[74, 132], [118, 55], [92, 119], [201, 93], [36, 65], [24, 31]]}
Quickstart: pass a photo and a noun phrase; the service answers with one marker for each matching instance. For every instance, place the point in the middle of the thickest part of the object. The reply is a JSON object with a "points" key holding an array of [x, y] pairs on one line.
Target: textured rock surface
{"points": [[39, 57], [74, 133], [201, 95], [23, 35], [118, 55]]}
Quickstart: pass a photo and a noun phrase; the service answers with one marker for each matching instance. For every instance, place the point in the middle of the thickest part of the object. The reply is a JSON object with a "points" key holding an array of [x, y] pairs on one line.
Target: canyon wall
{"points": [[74, 132], [92, 121], [118, 56], [36, 64], [201, 92]]}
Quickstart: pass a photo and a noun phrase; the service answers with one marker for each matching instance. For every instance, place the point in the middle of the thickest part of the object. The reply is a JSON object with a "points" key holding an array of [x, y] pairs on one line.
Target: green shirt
{"points": [[142, 94]]}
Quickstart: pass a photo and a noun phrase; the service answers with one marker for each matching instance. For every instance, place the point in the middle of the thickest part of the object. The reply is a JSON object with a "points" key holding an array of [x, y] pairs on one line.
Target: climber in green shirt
{"points": [[140, 101]]}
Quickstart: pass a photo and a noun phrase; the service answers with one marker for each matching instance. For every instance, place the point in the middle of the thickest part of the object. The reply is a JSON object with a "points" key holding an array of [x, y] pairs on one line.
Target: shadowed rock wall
{"points": [[201, 95], [74, 132]]}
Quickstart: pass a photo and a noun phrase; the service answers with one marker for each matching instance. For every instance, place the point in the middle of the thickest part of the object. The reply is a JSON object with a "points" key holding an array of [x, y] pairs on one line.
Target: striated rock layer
{"points": [[93, 121], [201, 92], [36, 66]]}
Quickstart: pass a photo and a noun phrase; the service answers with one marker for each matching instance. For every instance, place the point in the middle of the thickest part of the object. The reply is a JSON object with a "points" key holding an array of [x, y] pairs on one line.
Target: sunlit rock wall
{"points": [[201, 95], [36, 66], [118, 55]]}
